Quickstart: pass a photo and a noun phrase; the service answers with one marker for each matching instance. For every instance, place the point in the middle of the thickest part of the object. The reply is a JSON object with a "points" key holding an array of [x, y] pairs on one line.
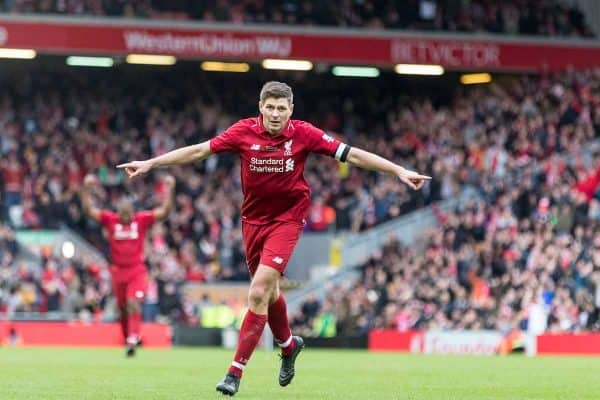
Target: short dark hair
{"points": [[277, 90]]}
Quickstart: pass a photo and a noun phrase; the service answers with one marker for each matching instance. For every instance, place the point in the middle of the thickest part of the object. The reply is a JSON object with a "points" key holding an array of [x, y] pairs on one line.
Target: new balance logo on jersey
{"points": [[288, 148], [327, 138], [289, 165], [278, 260], [255, 147], [126, 234]]}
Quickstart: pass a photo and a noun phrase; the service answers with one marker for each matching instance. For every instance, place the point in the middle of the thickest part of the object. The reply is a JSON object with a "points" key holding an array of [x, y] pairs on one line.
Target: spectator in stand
{"points": [[321, 217], [8, 251], [12, 179]]}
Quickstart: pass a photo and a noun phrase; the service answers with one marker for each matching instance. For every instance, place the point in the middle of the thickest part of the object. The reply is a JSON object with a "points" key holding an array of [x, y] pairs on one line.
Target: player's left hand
{"points": [[413, 179]]}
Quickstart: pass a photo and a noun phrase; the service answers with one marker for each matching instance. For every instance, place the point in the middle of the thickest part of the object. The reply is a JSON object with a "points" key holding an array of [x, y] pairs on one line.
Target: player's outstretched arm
{"points": [[367, 160], [163, 211], [86, 197], [183, 155]]}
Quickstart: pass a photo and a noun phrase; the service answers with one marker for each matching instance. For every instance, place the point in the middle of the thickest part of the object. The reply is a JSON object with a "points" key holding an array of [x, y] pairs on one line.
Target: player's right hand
{"points": [[136, 168]]}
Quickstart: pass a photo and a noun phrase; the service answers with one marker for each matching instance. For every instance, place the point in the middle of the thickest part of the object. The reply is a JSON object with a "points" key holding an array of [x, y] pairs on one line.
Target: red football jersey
{"points": [[126, 241], [273, 167]]}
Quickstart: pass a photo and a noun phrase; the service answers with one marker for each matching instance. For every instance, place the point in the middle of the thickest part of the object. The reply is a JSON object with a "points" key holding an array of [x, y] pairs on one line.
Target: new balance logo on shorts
{"points": [[278, 260]]}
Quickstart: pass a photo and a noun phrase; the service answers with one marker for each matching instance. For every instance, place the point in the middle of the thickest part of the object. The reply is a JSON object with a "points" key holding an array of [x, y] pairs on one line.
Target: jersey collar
{"points": [[288, 131]]}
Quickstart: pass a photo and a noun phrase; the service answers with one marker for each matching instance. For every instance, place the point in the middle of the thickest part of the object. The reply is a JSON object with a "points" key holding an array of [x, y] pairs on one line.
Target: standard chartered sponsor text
{"points": [[207, 44], [267, 165]]}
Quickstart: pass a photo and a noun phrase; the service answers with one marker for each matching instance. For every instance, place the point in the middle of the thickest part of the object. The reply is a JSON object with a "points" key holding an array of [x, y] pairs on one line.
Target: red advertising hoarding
{"points": [[462, 342], [569, 343], [205, 41], [436, 342], [391, 340], [479, 342], [78, 334]]}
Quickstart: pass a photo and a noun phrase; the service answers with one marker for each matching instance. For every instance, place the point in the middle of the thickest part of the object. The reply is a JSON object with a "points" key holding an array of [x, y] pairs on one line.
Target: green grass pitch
{"points": [[191, 373]]}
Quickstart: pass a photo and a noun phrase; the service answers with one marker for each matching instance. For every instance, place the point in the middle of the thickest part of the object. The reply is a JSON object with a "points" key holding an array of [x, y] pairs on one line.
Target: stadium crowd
{"points": [[523, 255], [548, 18], [55, 130]]}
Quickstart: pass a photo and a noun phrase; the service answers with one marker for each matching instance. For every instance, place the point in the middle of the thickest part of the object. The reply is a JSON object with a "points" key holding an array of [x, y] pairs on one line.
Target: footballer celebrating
{"points": [[126, 232], [273, 149]]}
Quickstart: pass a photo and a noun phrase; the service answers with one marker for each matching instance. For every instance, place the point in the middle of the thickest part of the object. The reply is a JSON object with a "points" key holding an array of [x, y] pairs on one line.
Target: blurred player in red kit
{"points": [[126, 231], [273, 149]]}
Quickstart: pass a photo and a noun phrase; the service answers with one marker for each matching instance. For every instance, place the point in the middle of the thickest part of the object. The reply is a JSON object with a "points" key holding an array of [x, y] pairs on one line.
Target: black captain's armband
{"points": [[341, 154]]}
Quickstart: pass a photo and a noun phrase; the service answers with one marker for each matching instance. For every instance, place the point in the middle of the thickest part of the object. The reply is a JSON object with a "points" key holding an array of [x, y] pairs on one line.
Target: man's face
{"points": [[125, 211], [276, 113]]}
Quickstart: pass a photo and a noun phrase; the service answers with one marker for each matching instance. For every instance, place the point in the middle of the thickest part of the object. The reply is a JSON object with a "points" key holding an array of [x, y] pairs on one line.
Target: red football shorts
{"points": [[271, 244], [129, 284]]}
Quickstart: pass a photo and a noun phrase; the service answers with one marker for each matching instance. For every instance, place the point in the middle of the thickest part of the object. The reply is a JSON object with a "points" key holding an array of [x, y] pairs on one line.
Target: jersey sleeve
{"points": [[107, 217], [145, 218], [321, 143], [229, 140]]}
